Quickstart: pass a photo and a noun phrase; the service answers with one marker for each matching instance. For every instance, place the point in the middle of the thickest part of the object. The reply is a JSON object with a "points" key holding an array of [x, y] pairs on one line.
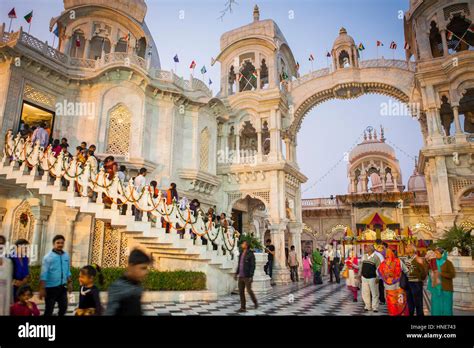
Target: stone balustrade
{"points": [[79, 66]]}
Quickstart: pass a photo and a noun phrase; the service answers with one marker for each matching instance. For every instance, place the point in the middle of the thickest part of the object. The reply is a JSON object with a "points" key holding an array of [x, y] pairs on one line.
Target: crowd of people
{"points": [[55, 284]]}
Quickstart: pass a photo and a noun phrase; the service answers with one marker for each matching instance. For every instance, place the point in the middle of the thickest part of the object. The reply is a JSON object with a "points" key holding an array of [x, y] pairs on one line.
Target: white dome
{"points": [[371, 147]]}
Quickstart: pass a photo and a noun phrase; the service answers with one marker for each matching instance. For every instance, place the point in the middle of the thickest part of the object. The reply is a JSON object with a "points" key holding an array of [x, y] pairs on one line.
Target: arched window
{"points": [[97, 45], [122, 46], [460, 37], [344, 61], [141, 47], [265, 138], [248, 138], [446, 113], [77, 44], [248, 77], [436, 43], [204, 150], [118, 136], [466, 109], [263, 74]]}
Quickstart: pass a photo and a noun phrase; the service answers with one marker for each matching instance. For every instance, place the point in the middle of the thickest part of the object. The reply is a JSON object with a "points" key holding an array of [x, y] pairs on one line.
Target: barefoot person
{"points": [[244, 274]]}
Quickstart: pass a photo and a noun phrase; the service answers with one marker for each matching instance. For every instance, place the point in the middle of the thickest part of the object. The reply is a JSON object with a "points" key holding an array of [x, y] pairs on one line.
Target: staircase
{"points": [[173, 250]]}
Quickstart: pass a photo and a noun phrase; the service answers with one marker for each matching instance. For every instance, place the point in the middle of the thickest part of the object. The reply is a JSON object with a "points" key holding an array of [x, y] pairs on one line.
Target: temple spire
{"points": [[256, 13]]}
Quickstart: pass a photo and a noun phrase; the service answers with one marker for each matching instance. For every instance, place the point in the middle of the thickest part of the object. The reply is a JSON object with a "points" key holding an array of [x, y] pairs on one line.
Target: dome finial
{"points": [[342, 31], [382, 134], [256, 13]]}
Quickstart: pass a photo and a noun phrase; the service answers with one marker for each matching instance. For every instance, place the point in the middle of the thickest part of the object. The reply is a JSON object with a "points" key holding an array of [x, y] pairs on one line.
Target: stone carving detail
{"points": [[204, 150], [118, 139], [460, 184], [109, 246], [35, 95], [23, 223]]}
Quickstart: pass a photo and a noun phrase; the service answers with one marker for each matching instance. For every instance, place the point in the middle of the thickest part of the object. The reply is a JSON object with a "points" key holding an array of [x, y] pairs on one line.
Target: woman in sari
{"points": [[317, 261], [442, 292], [352, 265], [390, 272]]}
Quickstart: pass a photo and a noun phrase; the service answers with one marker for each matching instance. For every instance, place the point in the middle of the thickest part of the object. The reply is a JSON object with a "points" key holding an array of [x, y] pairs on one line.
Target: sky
{"points": [[192, 29]]}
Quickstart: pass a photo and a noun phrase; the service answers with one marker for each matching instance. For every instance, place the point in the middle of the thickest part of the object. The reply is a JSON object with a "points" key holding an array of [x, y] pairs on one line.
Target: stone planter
{"points": [[261, 281], [463, 296]]}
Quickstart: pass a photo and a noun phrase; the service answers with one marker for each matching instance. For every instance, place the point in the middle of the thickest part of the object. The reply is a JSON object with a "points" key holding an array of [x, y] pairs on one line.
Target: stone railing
{"points": [[370, 63], [114, 58], [456, 139], [318, 203], [84, 180]]}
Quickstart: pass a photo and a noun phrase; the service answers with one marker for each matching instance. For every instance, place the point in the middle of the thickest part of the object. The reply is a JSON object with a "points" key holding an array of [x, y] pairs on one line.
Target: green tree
{"points": [[458, 237]]}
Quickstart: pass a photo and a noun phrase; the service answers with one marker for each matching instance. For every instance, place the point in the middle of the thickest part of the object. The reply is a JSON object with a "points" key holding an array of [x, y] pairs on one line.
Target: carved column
{"points": [[295, 231], [445, 42], [259, 146], [41, 214], [70, 226], [280, 272], [87, 48]]}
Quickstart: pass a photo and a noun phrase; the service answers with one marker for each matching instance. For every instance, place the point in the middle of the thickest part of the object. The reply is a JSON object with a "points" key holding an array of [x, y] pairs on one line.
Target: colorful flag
{"points": [[393, 45], [328, 54], [29, 17], [12, 13], [311, 57], [203, 70], [56, 31], [210, 82], [176, 59], [361, 47], [471, 29], [407, 46], [193, 65], [379, 43], [126, 37], [450, 34], [254, 74]]}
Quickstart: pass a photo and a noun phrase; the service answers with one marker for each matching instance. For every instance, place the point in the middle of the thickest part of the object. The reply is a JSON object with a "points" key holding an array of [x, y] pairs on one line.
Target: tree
{"points": [[458, 237]]}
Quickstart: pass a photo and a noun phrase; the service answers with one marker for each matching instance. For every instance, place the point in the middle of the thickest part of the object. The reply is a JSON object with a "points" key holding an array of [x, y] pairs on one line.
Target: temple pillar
{"points": [[460, 137], [280, 271], [445, 42], [296, 229], [41, 214]]}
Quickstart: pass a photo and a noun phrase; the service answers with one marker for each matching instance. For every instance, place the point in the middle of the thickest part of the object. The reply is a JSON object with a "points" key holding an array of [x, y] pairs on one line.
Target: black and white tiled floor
{"points": [[292, 299], [328, 299]]}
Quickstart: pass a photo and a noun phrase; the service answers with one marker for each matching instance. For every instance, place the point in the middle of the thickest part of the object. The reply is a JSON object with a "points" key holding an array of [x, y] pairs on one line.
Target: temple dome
{"points": [[343, 39], [416, 182], [372, 146], [133, 8]]}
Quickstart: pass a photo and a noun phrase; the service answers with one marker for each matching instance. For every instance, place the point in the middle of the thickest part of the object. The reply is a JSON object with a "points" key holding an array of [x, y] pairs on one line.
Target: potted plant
{"points": [[457, 237], [254, 243]]}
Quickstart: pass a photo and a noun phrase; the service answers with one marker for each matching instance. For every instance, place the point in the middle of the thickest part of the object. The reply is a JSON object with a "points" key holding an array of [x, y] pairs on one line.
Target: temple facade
{"points": [[235, 151]]}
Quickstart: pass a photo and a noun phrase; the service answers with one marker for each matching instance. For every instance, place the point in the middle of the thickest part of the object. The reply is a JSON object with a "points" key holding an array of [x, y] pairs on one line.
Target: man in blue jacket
{"points": [[244, 274], [55, 278]]}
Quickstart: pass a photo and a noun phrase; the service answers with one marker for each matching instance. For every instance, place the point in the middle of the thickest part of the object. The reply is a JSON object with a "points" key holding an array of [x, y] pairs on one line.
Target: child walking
{"points": [[89, 299], [24, 307], [307, 264]]}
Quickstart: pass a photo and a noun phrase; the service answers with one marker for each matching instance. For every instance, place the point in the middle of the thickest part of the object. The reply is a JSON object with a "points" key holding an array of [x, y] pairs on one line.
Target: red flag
{"points": [[12, 13], [193, 65], [379, 43], [393, 45], [449, 35], [471, 29]]}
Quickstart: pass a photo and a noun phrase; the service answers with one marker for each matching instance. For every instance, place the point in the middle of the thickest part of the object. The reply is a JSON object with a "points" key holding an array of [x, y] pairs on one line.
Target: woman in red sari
{"points": [[352, 265], [390, 272]]}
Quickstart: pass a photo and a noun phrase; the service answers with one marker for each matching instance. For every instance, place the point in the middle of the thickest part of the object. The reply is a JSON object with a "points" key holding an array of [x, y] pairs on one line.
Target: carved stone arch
{"points": [[458, 194], [234, 197], [23, 222]]}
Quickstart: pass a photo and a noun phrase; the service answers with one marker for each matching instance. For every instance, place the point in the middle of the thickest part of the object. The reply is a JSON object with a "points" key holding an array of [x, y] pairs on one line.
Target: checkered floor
{"points": [[292, 299]]}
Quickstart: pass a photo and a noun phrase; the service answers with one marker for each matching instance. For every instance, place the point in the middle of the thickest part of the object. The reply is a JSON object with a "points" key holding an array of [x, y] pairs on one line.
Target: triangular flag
{"points": [[29, 17], [203, 70], [328, 54], [393, 45], [379, 43], [193, 65], [210, 82], [471, 29], [311, 57], [407, 46], [450, 34], [361, 47], [56, 31], [12, 13], [176, 59]]}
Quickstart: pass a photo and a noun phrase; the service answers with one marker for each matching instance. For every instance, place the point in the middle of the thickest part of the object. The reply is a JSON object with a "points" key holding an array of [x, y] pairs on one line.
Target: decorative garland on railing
{"points": [[82, 178]]}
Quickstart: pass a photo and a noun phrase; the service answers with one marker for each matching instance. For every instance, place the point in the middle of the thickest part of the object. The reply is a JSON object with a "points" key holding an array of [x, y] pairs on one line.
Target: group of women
{"points": [[394, 273]]}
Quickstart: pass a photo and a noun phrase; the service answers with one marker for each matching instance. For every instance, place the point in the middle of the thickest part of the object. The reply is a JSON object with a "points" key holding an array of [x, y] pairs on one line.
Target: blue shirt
{"points": [[42, 135], [55, 269], [20, 267]]}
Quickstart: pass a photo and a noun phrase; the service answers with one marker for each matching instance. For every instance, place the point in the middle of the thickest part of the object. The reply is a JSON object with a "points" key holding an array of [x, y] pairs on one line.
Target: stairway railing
{"points": [[85, 181]]}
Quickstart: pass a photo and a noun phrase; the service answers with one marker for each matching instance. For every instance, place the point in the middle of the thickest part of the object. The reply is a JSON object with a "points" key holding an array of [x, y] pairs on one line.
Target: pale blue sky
{"points": [[328, 130]]}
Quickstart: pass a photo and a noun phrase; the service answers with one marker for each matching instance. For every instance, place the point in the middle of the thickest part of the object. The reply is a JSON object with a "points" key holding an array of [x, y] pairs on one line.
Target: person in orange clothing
{"points": [[171, 194]]}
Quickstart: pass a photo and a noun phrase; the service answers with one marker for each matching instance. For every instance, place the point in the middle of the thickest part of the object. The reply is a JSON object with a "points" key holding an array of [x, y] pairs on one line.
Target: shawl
{"points": [[317, 261], [390, 269]]}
